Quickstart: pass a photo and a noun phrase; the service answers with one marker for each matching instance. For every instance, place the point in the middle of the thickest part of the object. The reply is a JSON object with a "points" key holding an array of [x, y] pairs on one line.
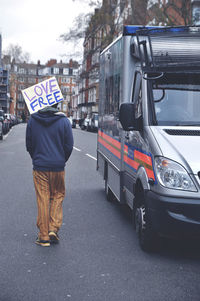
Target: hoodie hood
{"points": [[47, 116]]}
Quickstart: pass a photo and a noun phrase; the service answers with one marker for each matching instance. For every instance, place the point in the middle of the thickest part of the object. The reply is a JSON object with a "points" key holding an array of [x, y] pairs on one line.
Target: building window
{"points": [[65, 80], [21, 79], [66, 71], [75, 72], [8, 67], [31, 80], [56, 70], [20, 105], [65, 89], [22, 71], [196, 14], [19, 97], [32, 71], [21, 87]]}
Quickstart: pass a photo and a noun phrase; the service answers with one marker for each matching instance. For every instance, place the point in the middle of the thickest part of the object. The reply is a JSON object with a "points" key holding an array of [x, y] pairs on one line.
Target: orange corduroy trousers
{"points": [[50, 193]]}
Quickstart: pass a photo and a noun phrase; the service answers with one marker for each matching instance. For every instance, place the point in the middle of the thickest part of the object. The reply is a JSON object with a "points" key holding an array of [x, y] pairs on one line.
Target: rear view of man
{"points": [[49, 142]]}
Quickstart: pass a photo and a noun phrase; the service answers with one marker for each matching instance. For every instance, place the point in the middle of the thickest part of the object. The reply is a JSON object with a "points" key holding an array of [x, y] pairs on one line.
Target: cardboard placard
{"points": [[41, 95]]}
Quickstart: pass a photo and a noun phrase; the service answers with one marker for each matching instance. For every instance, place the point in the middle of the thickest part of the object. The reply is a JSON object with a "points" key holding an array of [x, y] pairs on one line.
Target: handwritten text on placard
{"points": [[45, 93]]}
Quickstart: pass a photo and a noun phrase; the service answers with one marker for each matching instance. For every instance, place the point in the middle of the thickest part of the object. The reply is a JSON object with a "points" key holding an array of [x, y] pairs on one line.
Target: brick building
{"points": [[106, 24], [24, 75], [66, 75]]}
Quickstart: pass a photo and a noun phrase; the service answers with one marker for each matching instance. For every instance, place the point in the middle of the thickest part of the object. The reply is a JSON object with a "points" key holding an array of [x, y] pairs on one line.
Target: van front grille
{"points": [[182, 132]]}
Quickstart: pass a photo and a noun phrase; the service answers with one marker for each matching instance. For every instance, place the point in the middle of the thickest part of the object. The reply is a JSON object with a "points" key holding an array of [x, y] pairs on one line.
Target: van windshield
{"points": [[176, 99]]}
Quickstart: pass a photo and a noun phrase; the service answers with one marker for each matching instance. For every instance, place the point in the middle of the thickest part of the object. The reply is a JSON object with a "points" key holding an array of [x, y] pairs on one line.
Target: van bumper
{"points": [[174, 217]]}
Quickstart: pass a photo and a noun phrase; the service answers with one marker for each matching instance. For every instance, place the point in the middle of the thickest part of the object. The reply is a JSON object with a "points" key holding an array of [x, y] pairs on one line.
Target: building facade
{"points": [[4, 96], [105, 25], [24, 75]]}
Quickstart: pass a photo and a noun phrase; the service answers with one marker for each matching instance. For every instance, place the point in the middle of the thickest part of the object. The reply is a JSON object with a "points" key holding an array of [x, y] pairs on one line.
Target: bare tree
{"points": [[80, 23], [16, 53], [155, 12], [77, 31]]}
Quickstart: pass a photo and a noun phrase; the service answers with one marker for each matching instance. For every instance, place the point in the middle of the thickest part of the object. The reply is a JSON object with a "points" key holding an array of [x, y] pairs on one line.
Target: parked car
{"points": [[80, 122], [4, 121], [93, 123], [14, 119], [85, 123], [73, 122], [9, 119]]}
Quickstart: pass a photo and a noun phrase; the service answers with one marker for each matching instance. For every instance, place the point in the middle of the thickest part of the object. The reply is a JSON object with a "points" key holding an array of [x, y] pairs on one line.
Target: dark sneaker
{"points": [[54, 238], [43, 243]]}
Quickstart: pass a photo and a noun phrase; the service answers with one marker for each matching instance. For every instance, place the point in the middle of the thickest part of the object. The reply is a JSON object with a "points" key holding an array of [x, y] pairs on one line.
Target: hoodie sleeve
{"points": [[28, 138], [68, 140]]}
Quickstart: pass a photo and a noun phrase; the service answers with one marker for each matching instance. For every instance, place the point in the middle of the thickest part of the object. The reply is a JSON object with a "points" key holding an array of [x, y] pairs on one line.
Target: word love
{"points": [[43, 94]]}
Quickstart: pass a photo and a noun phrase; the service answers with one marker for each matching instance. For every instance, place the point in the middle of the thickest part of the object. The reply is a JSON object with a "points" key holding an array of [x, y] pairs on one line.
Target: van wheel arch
{"points": [[147, 237]]}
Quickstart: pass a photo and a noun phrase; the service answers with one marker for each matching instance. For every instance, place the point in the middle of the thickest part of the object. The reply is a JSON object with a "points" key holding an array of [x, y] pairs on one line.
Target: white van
{"points": [[149, 129]]}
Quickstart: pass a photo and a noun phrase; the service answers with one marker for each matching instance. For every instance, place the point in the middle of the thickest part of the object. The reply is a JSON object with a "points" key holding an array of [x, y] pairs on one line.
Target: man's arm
{"points": [[28, 138], [68, 141]]}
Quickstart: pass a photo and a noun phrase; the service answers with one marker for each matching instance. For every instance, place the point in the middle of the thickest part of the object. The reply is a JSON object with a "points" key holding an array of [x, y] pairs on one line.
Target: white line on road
{"points": [[91, 157], [77, 149], [4, 137]]}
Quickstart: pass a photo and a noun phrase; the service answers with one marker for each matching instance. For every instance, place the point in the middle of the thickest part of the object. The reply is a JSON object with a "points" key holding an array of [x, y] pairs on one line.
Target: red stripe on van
{"points": [[110, 139], [143, 157], [131, 162], [110, 148]]}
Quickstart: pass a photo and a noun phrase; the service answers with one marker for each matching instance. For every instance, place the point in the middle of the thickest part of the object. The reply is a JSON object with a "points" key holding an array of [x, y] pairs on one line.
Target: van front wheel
{"points": [[147, 237]]}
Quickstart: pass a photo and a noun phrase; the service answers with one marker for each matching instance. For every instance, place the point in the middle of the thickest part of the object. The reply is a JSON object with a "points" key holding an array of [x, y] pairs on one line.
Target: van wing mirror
{"points": [[127, 116]]}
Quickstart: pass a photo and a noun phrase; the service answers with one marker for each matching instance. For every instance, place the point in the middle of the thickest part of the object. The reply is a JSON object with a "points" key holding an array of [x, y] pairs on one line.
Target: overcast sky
{"points": [[36, 25]]}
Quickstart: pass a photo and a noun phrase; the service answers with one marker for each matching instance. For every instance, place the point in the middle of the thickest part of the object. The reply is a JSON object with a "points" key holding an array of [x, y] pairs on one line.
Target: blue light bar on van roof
{"points": [[131, 29]]}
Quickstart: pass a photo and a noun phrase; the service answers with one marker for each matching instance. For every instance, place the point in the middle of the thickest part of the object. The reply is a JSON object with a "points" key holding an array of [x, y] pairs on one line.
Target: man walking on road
{"points": [[49, 142]]}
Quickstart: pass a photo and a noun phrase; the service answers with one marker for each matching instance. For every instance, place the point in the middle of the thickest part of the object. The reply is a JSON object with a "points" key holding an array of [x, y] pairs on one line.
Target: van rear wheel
{"points": [[148, 239]]}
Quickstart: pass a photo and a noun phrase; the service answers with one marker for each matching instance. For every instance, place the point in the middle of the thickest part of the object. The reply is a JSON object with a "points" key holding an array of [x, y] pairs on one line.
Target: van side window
{"points": [[112, 90], [137, 95]]}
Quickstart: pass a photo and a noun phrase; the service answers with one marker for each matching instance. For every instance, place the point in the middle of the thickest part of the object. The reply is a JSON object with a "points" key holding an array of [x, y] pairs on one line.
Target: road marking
{"points": [[4, 137], [91, 157], [77, 149]]}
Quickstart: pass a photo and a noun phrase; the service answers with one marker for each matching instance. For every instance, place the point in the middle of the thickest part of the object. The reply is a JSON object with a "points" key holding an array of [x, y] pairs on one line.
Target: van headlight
{"points": [[172, 175]]}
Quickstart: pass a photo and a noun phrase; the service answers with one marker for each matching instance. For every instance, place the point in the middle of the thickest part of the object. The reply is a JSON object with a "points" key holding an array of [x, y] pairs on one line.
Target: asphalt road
{"points": [[98, 258]]}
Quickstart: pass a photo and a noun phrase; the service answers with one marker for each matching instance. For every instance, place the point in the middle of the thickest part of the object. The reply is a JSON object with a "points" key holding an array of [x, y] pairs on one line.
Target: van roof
{"points": [[167, 48], [132, 29]]}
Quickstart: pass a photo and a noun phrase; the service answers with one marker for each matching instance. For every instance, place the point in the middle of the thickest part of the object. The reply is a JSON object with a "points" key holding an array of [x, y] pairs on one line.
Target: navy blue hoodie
{"points": [[49, 139]]}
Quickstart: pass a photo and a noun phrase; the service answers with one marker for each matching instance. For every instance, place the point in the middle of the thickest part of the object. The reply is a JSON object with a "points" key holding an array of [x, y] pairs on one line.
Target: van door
{"points": [[136, 147]]}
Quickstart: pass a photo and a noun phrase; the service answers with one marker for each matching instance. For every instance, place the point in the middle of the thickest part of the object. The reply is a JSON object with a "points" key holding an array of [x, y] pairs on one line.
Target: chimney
{"points": [[51, 62], [70, 63]]}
